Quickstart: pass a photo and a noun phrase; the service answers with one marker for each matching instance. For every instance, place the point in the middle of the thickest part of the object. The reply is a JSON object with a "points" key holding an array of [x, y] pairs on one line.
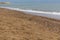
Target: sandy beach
{"points": [[16, 25]]}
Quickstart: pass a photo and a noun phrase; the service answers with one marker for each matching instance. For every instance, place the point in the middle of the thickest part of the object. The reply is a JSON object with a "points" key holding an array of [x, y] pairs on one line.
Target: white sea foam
{"points": [[57, 13], [54, 15]]}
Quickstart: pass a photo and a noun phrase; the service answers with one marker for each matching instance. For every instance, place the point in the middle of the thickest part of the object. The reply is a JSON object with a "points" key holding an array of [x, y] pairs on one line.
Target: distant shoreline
{"points": [[4, 2]]}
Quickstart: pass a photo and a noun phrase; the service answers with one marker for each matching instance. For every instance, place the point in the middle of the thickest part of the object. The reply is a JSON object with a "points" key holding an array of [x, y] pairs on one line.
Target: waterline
{"points": [[54, 15]]}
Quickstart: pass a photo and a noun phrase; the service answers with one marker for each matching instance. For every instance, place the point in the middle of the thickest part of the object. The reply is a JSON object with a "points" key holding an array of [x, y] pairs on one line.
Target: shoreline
{"points": [[53, 15]]}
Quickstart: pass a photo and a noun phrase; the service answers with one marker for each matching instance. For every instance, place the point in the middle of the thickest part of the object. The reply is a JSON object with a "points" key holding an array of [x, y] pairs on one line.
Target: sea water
{"points": [[46, 8], [41, 5]]}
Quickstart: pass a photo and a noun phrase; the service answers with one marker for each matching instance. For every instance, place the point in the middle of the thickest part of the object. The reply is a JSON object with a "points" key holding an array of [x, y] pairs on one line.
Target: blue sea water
{"points": [[44, 5]]}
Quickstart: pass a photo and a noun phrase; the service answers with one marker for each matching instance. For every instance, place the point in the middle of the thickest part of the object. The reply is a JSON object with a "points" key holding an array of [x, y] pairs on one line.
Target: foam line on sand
{"points": [[54, 15]]}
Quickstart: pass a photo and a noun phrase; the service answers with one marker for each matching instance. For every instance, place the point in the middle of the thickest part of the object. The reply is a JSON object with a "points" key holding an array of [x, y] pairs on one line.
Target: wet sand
{"points": [[15, 25]]}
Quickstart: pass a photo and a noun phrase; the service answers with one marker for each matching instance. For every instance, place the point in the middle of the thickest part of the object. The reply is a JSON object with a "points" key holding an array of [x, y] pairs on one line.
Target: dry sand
{"points": [[15, 25]]}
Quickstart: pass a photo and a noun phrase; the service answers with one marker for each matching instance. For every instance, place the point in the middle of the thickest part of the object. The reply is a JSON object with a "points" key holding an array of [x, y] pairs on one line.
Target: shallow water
{"points": [[47, 5]]}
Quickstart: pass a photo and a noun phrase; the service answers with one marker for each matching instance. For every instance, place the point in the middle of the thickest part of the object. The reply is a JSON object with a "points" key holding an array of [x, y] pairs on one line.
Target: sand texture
{"points": [[15, 25]]}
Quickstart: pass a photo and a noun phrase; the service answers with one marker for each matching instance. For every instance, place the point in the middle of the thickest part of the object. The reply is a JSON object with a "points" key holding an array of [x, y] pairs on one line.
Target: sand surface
{"points": [[15, 25]]}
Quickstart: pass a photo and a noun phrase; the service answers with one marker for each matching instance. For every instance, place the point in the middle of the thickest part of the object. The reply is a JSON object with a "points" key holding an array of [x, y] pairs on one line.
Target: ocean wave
{"points": [[54, 15]]}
